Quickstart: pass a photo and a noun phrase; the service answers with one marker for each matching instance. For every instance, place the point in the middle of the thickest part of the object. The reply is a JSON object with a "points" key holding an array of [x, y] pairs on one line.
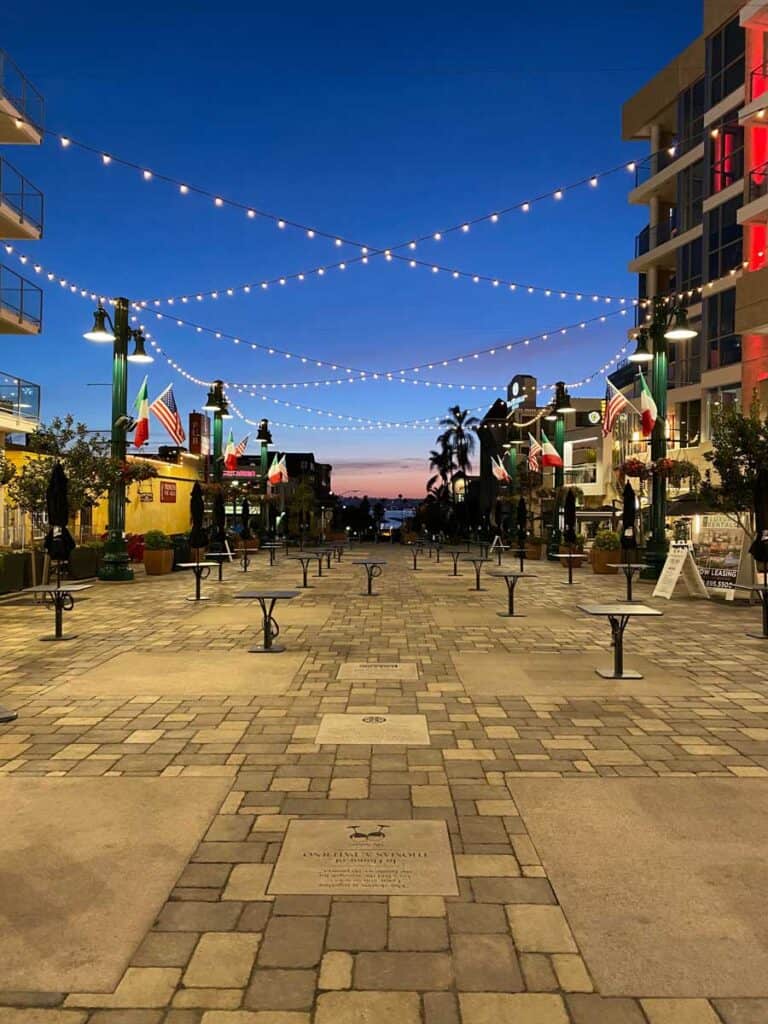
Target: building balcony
{"points": [[22, 107], [657, 245], [755, 208], [19, 405], [657, 178], [752, 303], [21, 304], [21, 205]]}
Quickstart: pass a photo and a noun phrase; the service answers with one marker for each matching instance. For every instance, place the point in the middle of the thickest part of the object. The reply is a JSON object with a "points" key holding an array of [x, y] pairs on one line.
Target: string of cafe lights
{"points": [[392, 375], [367, 421]]}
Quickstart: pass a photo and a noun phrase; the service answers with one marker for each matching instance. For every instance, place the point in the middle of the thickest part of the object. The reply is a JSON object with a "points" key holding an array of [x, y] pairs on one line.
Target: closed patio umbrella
{"points": [[197, 535], [759, 546], [58, 542], [628, 517], [569, 518], [219, 520], [522, 521], [245, 517]]}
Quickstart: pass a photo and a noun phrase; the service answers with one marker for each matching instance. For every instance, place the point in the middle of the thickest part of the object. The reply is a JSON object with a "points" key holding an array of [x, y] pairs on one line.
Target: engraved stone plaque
{"points": [[365, 857], [380, 728], [378, 670]]}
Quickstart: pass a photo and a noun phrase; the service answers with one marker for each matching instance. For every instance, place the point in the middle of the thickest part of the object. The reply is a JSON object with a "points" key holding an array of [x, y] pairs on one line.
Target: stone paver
{"points": [[222, 950]]}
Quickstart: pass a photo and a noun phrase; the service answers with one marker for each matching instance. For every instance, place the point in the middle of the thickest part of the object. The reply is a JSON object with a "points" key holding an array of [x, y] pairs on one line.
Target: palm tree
{"points": [[440, 459], [460, 437]]}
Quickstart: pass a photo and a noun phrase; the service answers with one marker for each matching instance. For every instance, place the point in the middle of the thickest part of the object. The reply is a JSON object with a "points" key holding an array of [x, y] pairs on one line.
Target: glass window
{"points": [[725, 151], [689, 266], [724, 239], [723, 344], [690, 195], [725, 61], [690, 116], [721, 398], [689, 414]]}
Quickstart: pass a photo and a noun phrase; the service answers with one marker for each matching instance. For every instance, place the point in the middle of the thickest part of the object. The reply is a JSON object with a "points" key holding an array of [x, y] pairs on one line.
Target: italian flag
{"points": [[141, 434], [648, 409], [230, 453], [275, 475], [549, 456]]}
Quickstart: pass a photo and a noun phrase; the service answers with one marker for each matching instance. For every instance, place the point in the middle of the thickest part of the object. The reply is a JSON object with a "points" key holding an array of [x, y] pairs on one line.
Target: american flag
{"points": [[615, 403], [164, 407], [533, 454], [240, 448]]}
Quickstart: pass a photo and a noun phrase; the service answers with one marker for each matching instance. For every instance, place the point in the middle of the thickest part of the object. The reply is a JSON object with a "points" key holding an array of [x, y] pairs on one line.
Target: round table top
{"points": [[268, 594], [274, 544], [195, 565], [61, 588], [509, 575], [369, 561], [627, 565], [618, 609], [582, 555], [220, 554], [306, 557]]}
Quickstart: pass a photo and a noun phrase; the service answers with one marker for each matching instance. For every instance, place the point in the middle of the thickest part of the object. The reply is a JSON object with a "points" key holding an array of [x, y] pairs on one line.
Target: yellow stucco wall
{"points": [[141, 514]]}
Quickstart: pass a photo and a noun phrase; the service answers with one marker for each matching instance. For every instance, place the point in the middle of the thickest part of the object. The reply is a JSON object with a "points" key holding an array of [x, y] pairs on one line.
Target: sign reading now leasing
{"points": [[679, 565]]}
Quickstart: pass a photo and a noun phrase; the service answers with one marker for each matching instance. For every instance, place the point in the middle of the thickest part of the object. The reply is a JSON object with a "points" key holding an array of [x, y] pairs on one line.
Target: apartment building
{"points": [[22, 111], [705, 184]]}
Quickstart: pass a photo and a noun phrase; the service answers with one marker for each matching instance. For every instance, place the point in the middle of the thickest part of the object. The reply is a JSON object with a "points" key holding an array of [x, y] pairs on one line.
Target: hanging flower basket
{"points": [[135, 472], [662, 468], [635, 468]]}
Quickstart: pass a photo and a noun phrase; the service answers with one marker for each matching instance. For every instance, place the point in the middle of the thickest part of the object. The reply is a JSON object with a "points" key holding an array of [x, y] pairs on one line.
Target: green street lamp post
{"points": [[264, 437], [560, 409], [216, 403], [116, 563], [665, 323]]}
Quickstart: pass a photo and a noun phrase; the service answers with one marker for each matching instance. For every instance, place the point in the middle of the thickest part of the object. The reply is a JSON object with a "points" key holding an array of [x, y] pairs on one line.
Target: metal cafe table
{"points": [[762, 592], [628, 568], [511, 578], [201, 570], [373, 568], [272, 548], [417, 548], [455, 554], [304, 559], [570, 559], [269, 625], [60, 596], [478, 564], [618, 616], [319, 555], [221, 557]]}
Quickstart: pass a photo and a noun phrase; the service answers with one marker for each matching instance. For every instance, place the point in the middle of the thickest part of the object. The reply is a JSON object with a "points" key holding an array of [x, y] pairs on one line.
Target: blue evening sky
{"points": [[378, 126]]}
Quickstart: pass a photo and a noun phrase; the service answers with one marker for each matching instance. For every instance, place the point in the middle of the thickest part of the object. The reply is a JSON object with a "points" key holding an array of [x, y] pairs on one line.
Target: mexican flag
{"points": [[275, 474], [141, 405], [230, 453], [648, 409], [549, 456]]}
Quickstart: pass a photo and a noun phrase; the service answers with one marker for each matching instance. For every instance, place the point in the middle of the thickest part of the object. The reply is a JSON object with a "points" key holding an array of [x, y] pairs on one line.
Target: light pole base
{"points": [[115, 572]]}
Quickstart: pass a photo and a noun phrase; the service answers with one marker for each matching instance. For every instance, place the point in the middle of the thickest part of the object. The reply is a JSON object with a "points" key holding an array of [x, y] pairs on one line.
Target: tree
{"points": [[301, 505], [86, 459], [378, 517], [739, 454], [460, 439]]}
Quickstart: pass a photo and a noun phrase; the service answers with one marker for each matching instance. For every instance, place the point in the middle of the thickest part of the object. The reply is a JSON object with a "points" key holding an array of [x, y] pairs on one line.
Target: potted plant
{"points": [[11, 571], [573, 549], [606, 548], [84, 561], [158, 553], [533, 546]]}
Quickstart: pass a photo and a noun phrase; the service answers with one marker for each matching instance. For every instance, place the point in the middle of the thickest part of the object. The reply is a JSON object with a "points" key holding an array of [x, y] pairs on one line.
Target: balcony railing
{"points": [[19, 397], [651, 237], [659, 161], [18, 193], [16, 87], [758, 80], [758, 182], [20, 298], [727, 171]]}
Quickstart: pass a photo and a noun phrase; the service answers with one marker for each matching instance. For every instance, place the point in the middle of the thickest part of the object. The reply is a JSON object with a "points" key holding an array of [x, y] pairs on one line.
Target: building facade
{"points": [[21, 219], [705, 184]]}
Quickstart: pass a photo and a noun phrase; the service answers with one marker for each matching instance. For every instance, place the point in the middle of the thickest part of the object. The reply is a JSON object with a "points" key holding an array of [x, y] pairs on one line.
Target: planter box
{"points": [[600, 559], [575, 562], [12, 565], [533, 551], [84, 563], [158, 561]]}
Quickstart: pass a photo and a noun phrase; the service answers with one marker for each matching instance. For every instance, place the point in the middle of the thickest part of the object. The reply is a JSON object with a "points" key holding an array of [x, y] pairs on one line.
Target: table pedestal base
{"points": [[261, 649], [197, 599], [7, 716], [757, 636], [69, 636], [610, 674], [510, 615]]}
